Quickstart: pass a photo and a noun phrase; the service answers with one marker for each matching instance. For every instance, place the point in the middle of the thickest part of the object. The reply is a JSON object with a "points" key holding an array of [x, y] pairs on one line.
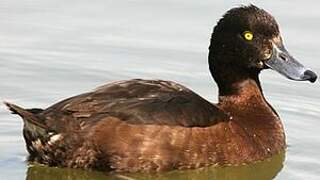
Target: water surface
{"points": [[53, 49]]}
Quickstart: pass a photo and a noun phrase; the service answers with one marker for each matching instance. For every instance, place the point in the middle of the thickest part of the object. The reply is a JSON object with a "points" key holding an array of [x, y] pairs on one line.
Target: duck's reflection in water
{"points": [[264, 170]]}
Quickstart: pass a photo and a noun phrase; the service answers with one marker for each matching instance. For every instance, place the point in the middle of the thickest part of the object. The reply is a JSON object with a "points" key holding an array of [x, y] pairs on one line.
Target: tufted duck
{"points": [[155, 125]]}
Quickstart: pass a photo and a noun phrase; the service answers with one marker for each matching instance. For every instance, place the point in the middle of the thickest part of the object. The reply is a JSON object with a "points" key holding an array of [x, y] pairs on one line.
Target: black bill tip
{"points": [[310, 76]]}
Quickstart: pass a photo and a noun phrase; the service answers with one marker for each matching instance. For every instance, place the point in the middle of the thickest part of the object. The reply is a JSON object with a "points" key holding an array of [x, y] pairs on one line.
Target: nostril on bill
{"points": [[309, 75], [283, 57]]}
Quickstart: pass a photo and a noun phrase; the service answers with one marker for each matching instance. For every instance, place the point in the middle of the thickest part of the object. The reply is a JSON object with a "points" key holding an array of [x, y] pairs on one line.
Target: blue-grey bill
{"points": [[282, 62]]}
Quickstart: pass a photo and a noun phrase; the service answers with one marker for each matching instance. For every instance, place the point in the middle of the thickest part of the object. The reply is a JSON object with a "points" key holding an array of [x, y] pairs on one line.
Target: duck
{"points": [[142, 125]]}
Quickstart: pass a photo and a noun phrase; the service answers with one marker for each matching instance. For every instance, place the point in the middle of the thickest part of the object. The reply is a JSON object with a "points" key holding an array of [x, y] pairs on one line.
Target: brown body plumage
{"points": [[156, 125]]}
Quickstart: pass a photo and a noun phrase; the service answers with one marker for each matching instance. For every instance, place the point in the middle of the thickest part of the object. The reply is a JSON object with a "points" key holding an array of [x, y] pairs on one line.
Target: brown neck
{"points": [[245, 96], [242, 92]]}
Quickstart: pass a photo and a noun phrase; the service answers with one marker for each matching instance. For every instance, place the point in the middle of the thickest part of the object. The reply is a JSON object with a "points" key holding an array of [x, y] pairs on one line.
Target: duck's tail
{"points": [[34, 126]]}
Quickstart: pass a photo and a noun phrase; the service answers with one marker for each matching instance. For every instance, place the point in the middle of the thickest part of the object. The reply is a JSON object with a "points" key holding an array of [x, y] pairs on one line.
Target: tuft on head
{"points": [[247, 17]]}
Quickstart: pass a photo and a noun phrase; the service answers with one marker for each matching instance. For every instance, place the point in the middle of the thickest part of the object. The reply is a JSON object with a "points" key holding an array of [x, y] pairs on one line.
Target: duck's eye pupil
{"points": [[248, 35]]}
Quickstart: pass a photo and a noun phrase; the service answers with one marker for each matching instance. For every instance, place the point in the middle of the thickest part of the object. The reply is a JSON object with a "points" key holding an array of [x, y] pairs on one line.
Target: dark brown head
{"points": [[247, 40]]}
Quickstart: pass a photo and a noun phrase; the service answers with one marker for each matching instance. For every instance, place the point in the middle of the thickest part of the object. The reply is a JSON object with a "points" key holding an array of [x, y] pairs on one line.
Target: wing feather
{"points": [[141, 102]]}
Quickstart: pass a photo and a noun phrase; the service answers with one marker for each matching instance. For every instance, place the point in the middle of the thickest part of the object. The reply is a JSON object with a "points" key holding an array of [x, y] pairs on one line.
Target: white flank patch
{"points": [[54, 139]]}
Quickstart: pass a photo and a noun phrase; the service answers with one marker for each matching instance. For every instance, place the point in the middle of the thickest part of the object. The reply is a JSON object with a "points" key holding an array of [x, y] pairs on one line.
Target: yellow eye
{"points": [[248, 35]]}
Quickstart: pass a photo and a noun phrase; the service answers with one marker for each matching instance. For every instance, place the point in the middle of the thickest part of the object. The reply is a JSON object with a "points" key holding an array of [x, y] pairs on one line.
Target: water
{"points": [[53, 49]]}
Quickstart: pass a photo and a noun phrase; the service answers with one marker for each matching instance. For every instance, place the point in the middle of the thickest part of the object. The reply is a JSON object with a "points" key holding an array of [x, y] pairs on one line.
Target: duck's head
{"points": [[247, 40]]}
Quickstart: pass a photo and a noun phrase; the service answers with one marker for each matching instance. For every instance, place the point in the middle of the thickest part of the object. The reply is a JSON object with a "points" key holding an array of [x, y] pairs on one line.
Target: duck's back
{"points": [[138, 102]]}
